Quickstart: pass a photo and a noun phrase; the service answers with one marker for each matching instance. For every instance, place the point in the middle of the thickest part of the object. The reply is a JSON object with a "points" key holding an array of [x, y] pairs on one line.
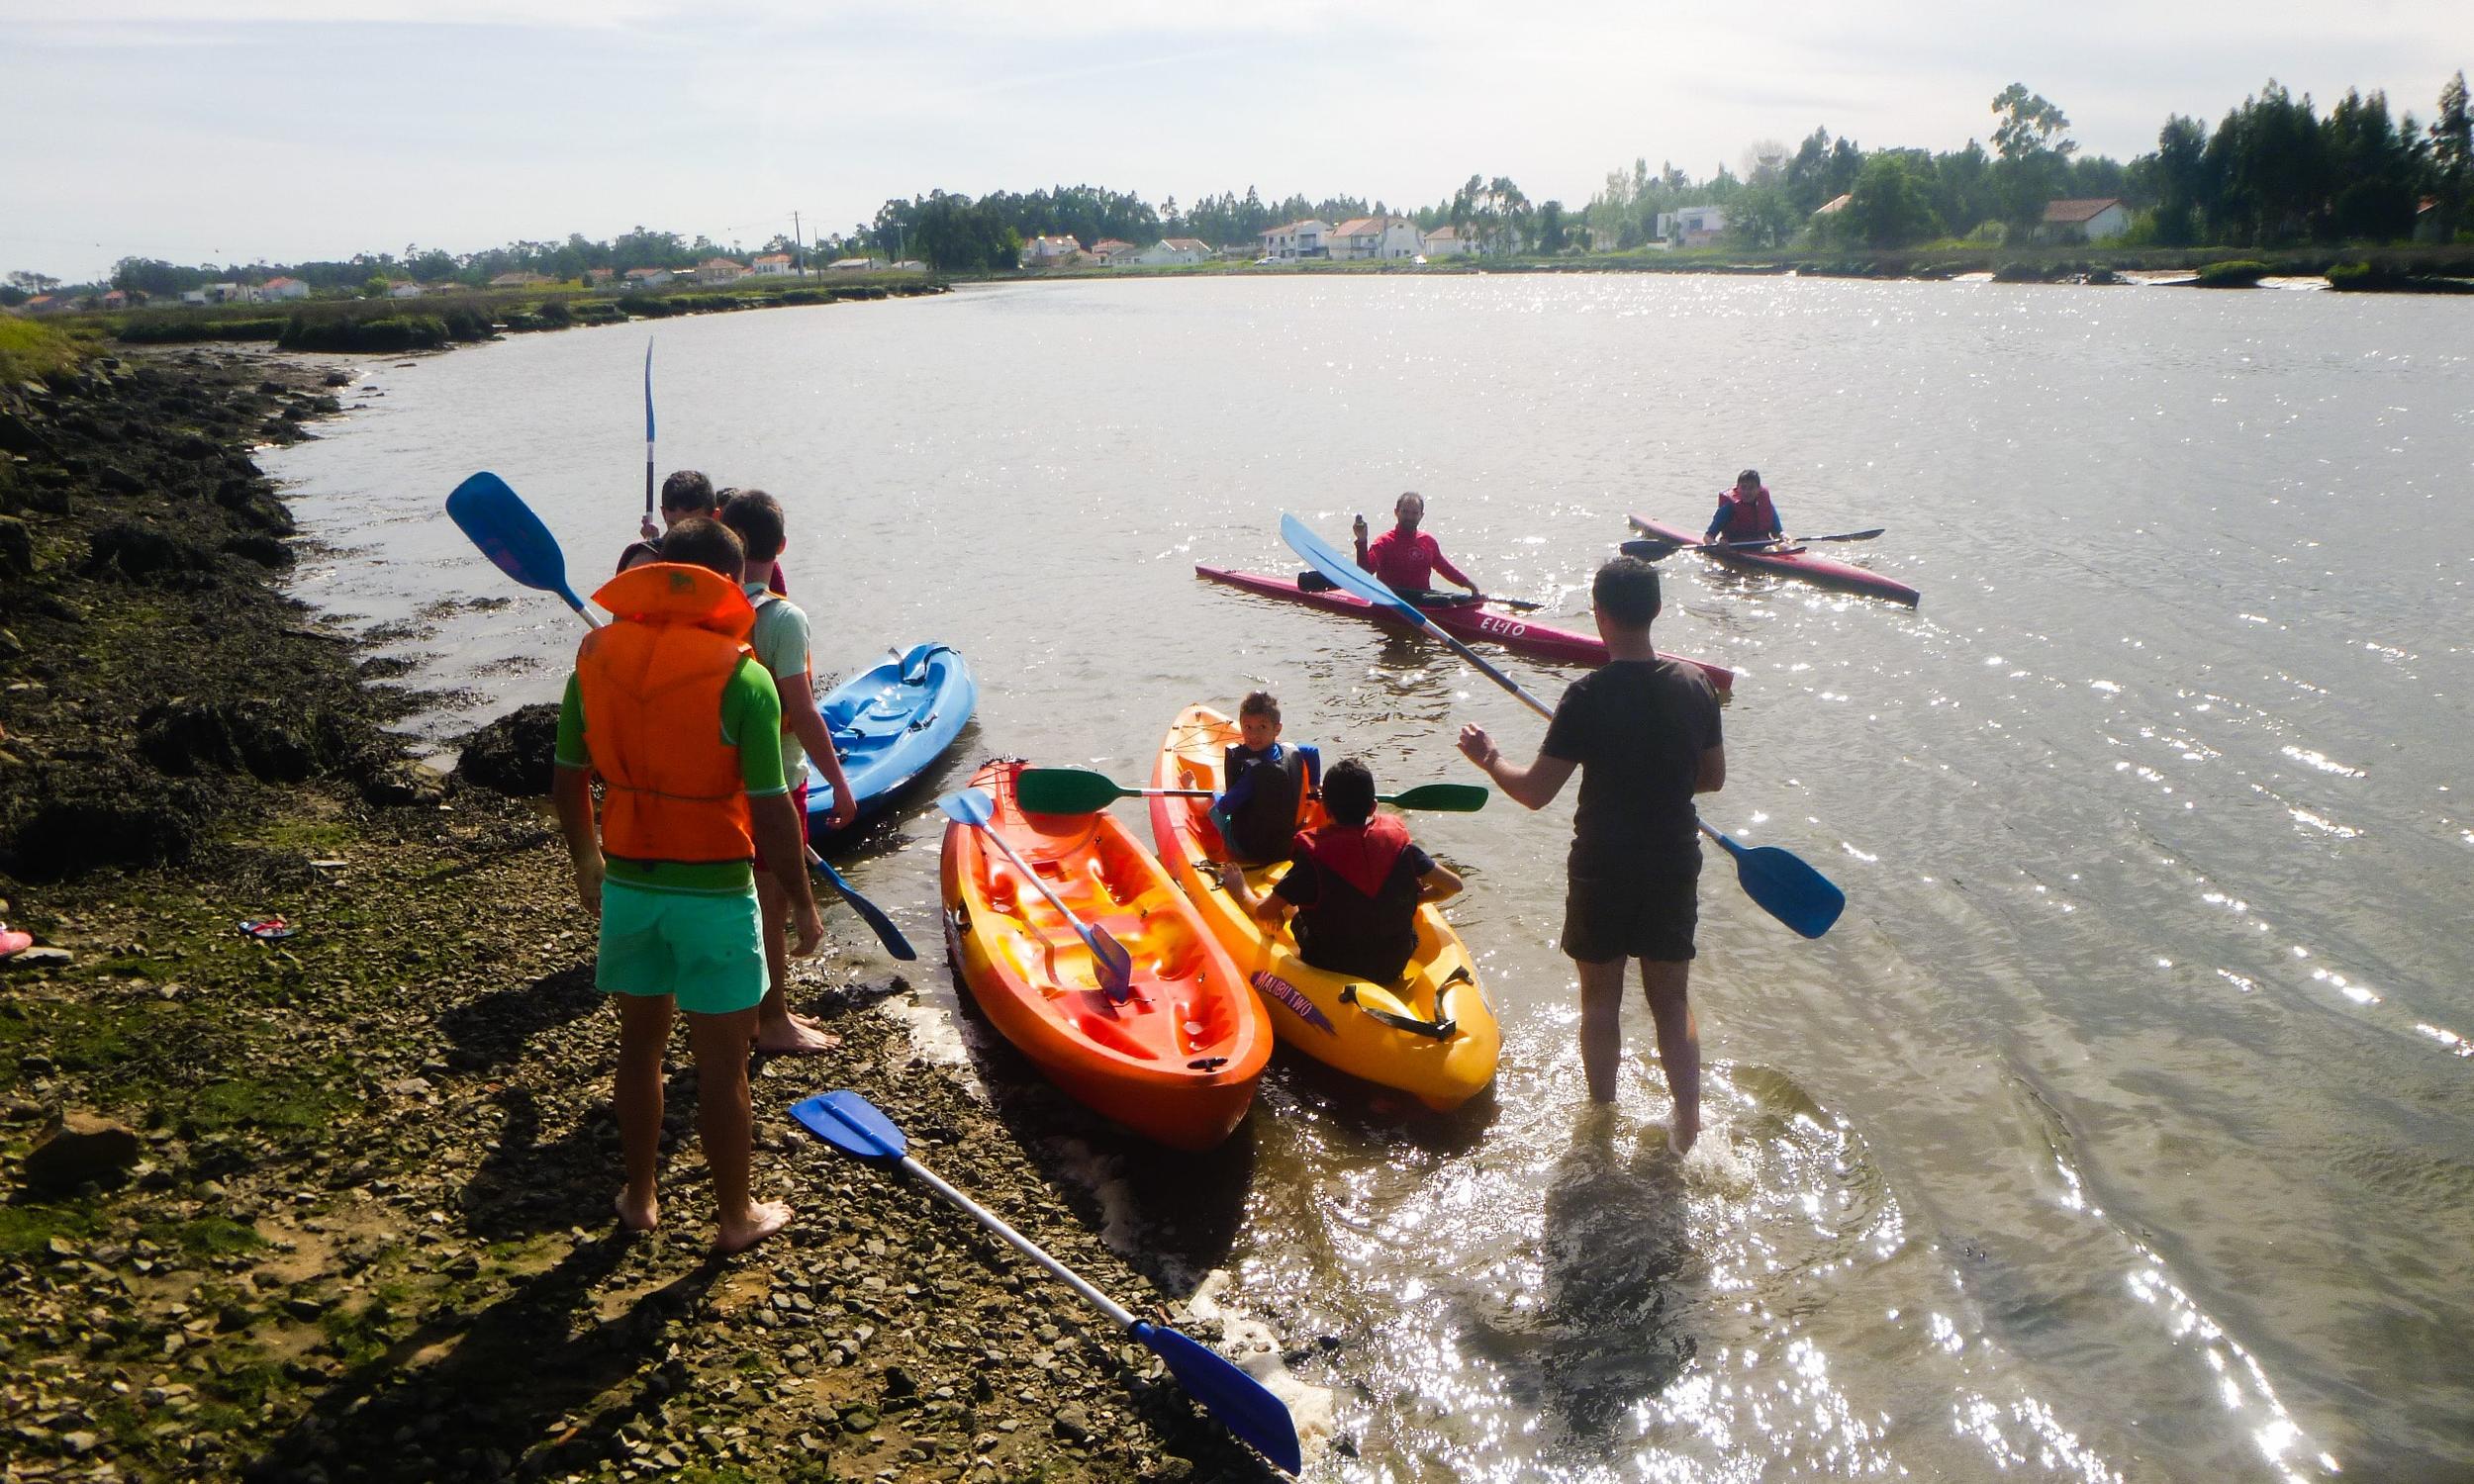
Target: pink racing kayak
{"points": [[1799, 562], [1471, 622]]}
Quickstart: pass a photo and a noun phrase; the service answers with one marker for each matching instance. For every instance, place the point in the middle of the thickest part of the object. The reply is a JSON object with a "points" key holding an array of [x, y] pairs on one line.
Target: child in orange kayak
{"points": [[1355, 883], [1263, 784]]}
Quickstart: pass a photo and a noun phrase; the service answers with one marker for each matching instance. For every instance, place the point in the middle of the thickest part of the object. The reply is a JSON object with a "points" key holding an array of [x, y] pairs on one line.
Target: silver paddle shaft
{"points": [[1021, 1243]]}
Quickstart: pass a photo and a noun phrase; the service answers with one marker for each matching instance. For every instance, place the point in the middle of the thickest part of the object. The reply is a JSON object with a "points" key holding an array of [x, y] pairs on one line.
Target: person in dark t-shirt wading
{"points": [[1356, 883], [1643, 731]]}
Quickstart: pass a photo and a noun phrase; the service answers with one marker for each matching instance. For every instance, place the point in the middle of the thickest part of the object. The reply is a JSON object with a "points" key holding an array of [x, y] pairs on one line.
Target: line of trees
{"points": [[2273, 172]]}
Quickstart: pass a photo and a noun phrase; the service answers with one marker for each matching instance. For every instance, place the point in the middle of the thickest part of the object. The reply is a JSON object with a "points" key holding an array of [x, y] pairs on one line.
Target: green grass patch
{"points": [[2232, 273], [207, 1237], [29, 351], [289, 1101], [27, 1229]]}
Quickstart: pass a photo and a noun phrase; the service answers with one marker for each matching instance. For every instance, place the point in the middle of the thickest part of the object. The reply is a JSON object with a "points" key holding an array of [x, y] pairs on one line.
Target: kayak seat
{"points": [[1100, 1030]]}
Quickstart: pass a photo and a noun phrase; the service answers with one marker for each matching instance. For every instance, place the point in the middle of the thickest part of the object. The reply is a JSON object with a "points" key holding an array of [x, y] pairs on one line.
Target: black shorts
{"points": [[1648, 916]]}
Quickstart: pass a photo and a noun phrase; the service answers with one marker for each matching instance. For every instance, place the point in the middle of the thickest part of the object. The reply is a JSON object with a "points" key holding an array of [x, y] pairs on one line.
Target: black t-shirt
{"points": [[1638, 729], [1342, 929]]}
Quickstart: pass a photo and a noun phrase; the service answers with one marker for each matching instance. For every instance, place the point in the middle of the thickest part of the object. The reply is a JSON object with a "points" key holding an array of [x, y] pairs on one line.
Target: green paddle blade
{"points": [[1442, 798], [1066, 790]]}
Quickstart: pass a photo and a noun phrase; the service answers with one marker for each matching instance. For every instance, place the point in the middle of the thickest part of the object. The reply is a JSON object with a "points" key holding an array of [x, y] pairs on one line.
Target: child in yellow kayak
{"points": [[1262, 782], [1355, 883]]}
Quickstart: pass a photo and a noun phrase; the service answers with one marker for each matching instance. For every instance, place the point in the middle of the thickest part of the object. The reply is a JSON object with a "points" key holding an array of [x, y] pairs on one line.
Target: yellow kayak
{"points": [[1431, 1035]]}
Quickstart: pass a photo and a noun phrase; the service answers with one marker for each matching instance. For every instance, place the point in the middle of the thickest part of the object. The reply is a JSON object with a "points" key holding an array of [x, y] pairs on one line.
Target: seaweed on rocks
{"points": [[348, 1211]]}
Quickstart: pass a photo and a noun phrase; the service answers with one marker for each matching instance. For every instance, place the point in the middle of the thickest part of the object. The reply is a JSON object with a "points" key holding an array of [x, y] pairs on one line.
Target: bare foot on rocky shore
{"points": [[634, 1217], [764, 1218], [795, 1036]]}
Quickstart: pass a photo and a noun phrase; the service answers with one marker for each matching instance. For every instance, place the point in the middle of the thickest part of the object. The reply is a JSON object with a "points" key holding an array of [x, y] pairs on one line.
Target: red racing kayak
{"points": [[1468, 622], [1800, 563]]}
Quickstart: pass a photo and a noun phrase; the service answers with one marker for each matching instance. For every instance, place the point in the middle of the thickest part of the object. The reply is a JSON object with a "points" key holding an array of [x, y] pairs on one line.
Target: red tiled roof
{"points": [[2079, 210]]}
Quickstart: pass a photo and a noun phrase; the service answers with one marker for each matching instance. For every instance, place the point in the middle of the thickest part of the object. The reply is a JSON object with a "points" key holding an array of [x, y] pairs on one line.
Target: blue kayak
{"points": [[889, 723]]}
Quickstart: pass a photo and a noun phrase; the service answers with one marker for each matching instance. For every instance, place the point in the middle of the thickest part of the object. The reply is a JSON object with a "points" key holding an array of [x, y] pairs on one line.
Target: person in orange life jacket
{"points": [[685, 492], [1355, 883], [681, 725], [1745, 513], [781, 644], [1405, 558], [1643, 731], [1263, 783]]}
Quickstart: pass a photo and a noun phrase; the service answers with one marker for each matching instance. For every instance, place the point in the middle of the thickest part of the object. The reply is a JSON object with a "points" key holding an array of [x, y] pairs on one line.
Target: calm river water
{"points": [[2124, 1128]]}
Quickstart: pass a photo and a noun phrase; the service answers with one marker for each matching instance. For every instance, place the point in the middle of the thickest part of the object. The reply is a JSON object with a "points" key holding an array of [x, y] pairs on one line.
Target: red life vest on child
{"points": [[1742, 520], [1363, 856], [651, 685]]}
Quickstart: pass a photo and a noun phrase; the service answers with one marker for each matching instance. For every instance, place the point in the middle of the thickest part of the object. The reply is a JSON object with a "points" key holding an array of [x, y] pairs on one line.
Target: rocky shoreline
{"points": [[335, 1206]]}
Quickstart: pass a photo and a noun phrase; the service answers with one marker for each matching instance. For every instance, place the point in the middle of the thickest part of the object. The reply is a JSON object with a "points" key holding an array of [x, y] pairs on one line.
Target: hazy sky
{"points": [[237, 129]]}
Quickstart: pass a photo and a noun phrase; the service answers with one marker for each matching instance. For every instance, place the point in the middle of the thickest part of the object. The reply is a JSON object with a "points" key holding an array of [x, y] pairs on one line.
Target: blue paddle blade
{"points": [[969, 805], [851, 1124], [1343, 571], [514, 539], [1116, 965], [895, 943], [1788, 889], [1238, 1399]]}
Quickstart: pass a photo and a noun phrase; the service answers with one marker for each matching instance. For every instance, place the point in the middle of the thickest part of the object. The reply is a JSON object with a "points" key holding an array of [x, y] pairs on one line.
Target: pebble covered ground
{"points": [[336, 1206]]}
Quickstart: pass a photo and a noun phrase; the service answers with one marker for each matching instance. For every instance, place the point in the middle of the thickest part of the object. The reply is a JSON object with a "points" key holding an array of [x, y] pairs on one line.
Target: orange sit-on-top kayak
{"points": [[1178, 1058]]}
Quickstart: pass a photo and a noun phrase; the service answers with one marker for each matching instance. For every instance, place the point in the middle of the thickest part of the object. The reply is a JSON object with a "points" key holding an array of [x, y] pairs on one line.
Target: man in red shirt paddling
{"points": [[1405, 558], [1745, 514]]}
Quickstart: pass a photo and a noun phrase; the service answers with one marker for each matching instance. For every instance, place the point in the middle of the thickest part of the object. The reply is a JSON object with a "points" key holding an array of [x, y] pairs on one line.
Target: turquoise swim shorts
{"points": [[706, 951]]}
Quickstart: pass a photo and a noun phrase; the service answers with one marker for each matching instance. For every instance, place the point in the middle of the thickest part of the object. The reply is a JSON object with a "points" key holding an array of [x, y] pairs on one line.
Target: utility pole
{"points": [[799, 245]]}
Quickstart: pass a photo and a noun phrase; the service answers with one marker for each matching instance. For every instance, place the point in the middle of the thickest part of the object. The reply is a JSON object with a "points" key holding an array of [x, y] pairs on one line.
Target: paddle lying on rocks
{"points": [[973, 807], [852, 1124], [1652, 548], [1079, 790], [1777, 880], [516, 541], [1315, 582]]}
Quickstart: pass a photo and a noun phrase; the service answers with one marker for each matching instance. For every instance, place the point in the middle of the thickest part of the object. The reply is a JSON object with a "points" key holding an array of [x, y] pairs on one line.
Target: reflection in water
{"points": [[1613, 1324]]}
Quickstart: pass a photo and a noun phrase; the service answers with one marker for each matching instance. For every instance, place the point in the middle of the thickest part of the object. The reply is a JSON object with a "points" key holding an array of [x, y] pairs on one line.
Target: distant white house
{"points": [[1049, 252], [1109, 250], [1296, 239], [720, 270], [602, 280], [1693, 226], [1446, 241], [284, 287], [648, 278], [2089, 221], [1173, 253], [229, 293], [773, 265], [405, 289], [1377, 237], [852, 265], [520, 279]]}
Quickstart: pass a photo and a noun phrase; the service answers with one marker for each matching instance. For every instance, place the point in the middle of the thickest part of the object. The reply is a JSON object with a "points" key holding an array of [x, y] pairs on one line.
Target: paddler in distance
{"points": [[1405, 558], [1746, 514]]}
